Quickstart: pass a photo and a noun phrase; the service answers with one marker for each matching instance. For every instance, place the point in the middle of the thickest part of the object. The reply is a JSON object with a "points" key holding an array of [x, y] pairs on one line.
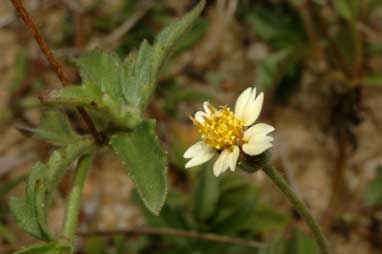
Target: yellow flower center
{"points": [[220, 130]]}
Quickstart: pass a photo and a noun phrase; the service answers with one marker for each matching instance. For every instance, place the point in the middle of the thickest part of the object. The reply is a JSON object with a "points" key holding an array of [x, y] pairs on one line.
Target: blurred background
{"points": [[319, 63]]}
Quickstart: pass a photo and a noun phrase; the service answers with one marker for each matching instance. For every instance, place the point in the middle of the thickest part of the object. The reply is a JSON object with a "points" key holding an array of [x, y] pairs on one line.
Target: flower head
{"points": [[224, 133]]}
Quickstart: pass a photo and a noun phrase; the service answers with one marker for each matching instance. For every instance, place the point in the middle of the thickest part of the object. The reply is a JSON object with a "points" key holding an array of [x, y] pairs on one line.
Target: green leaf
{"points": [[206, 194], [137, 75], [145, 162], [36, 193], [193, 36], [141, 79], [266, 219], [53, 247], [373, 192], [236, 190], [277, 65], [231, 183], [279, 26], [55, 128], [168, 38], [102, 70], [96, 245], [301, 244], [298, 244], [267, 71], [26, 217], [31, 213], [237, 220], [347, 9]]}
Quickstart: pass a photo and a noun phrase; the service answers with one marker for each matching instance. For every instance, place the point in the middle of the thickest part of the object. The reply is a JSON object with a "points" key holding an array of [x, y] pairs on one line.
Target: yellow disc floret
{"points": [[220, 129]]}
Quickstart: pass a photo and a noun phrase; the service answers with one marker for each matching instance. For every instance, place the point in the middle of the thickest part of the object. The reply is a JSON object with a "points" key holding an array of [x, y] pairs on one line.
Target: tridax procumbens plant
{"points": [[116, 94]]}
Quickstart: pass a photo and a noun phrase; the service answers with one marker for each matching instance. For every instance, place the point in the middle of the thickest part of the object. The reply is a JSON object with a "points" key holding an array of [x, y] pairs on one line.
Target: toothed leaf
{"points": [[145, 162]]}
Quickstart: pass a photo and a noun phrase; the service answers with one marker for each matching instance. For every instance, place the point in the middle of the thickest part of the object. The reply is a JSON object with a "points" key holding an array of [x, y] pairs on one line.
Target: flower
{"points": [[225, 133]]}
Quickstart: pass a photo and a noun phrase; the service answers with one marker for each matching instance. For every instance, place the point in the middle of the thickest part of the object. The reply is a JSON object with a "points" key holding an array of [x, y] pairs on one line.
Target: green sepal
{"points": [[252, 164]]}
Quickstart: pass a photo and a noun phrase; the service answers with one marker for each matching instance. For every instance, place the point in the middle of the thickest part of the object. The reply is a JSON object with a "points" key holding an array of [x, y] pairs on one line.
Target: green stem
{"points": [[299, 206], [73, 206]]}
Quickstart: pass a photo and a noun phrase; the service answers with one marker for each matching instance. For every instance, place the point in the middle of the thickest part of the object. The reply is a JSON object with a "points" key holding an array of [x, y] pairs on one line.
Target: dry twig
{"points": [[178, 233]]}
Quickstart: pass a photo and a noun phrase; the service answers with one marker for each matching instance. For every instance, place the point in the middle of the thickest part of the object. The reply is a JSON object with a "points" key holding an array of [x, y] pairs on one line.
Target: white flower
{"points": [[224, 133]]}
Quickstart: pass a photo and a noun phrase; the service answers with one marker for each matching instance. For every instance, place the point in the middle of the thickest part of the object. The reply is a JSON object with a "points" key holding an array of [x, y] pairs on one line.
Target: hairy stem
{"points": [[55, 64], [299, 206], [73, 206]]}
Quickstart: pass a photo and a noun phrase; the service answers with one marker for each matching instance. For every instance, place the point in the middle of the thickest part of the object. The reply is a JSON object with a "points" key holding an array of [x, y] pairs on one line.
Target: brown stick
{"points": [[54, 63], [177, 233]]}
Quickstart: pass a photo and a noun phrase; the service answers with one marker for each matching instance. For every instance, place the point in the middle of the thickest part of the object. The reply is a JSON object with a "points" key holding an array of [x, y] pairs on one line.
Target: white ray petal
{"points": [[222, 162], [233, 157], [260, 129], [196, 149], [241, 102], [218, 165], [256, 149], [260, 139], [253, 95], [252, 110], [200, 159]]}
